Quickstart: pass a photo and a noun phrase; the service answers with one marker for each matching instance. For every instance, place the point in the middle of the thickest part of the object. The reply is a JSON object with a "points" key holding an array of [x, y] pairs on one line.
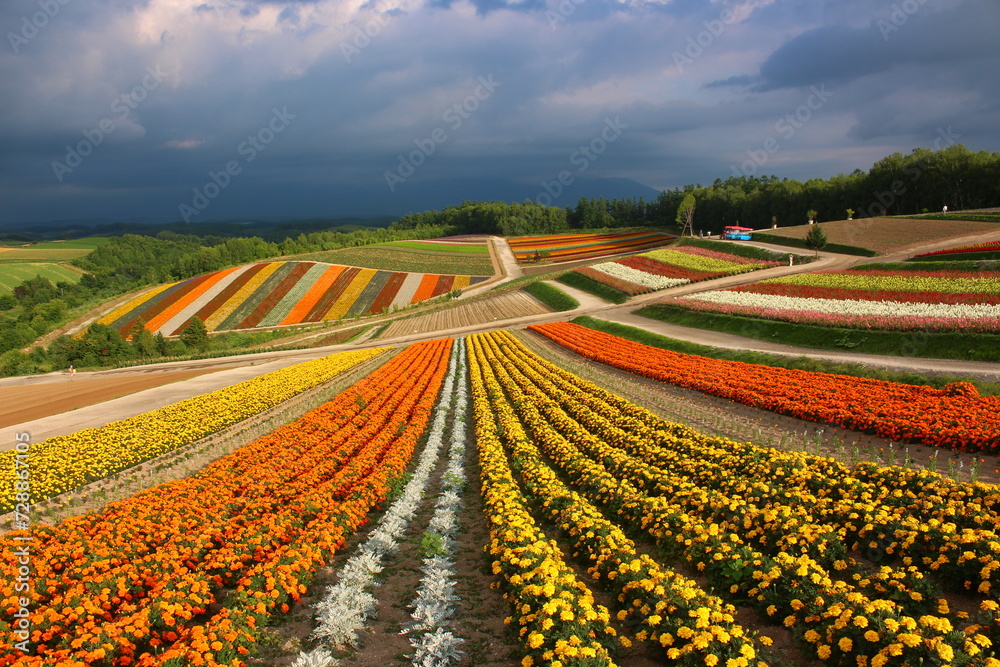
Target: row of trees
{"points": [[923, 181]]}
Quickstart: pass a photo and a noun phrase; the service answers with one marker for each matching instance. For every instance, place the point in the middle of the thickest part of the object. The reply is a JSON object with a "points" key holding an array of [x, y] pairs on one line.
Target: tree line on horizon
{"points": [[925, 181]]}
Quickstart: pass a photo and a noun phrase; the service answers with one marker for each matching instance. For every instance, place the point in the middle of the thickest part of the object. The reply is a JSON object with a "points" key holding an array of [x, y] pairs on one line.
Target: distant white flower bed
{"points": [[638, 277]]}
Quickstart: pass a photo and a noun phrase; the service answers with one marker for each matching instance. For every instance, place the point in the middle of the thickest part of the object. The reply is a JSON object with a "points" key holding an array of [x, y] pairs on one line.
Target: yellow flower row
{"points": [[350, 295], [236, 300], [558, 619], [674, 613], [673, 510], [63, 463], [133, 304]]}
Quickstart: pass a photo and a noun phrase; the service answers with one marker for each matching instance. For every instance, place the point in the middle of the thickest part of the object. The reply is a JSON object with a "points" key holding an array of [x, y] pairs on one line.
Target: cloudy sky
{"points": [[222, 109]]}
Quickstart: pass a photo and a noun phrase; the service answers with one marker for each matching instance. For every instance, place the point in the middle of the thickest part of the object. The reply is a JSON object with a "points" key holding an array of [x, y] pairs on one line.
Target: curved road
{"points": [[238, 368]]}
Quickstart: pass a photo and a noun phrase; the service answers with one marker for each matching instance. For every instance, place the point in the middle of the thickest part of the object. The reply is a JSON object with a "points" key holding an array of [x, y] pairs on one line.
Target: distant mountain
{"points": [[246, 210]]}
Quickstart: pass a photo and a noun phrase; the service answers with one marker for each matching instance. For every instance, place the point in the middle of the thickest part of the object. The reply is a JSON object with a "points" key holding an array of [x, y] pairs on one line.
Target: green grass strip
{"points": [[940, 265], [748, 251], [800, 243], [467, 248], [959, 257], [552, 296], [591, 286], [934, 345], [778, 361]]}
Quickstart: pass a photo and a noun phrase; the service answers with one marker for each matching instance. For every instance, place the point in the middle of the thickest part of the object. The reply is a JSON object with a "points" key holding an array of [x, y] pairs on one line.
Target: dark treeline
{"points": [[923, 182]]}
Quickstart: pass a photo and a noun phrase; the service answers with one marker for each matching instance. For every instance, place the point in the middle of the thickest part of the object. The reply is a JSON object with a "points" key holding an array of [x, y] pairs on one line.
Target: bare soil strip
{"points": [[501, 307], [20, 404]]}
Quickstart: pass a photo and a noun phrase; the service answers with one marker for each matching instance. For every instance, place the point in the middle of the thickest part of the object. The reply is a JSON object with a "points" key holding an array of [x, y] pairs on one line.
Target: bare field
{"points": [[889, 235], [24, 403], [483, 311]]}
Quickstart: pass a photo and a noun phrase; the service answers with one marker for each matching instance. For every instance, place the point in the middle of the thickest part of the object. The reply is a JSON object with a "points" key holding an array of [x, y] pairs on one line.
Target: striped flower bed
{"points": [[889, 300], [992, 246], [665, 268], [571, 247], [279, 293]]}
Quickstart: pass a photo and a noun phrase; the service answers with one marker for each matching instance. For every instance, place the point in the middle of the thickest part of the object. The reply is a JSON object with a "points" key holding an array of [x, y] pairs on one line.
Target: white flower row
{"points": [[653, 281], [850, 306], [434, 605], [348, 604]]}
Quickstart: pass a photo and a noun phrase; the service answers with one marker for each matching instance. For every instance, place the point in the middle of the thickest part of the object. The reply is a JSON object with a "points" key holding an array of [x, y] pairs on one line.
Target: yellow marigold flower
{"points": [[535, 639], [711, 660], [528, 661], [871, 636], [845, 644], [823, 652], [945, 652], [765, 640]]}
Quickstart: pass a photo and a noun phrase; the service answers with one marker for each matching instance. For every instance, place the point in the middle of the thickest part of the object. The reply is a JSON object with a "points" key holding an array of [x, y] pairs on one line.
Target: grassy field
{"points": [[888, 235], [551, 296], [431, 246], [12, 275], [50, 251], [593, 287], [403, 259]]}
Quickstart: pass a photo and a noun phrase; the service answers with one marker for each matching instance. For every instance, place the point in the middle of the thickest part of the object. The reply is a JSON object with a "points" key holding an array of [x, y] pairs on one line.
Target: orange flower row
{"points": [[956, 416], [134, 584]]}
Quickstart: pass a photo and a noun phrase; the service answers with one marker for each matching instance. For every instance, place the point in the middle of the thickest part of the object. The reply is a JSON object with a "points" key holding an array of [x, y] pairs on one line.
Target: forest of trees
{"points": [[922, 182]]}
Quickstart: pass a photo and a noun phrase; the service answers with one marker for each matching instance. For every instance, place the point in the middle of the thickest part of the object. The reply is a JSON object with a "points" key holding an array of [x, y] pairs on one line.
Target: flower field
{"points": [[902, 300], [856, 563], [572, 247], [189, 572], [279, 293], [959, 252], [955, 417], [613, 534], [669, 267], [63, 463]]}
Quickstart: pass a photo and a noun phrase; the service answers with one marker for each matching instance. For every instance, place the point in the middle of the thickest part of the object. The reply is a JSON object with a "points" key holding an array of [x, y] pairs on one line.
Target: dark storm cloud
{"points": [[370, 81]]}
